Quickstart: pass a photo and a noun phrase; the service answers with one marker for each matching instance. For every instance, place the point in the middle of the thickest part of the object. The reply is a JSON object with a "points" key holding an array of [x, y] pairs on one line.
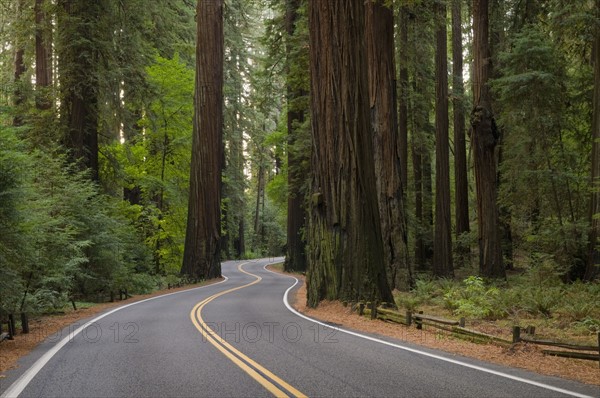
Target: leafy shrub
{"points": [[474, 299], [588, 325]]}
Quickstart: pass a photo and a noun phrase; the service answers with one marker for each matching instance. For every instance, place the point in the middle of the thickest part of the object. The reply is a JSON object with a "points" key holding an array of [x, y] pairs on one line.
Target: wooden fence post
{"points": [[11, 327], [361, 309], [516, 334], [419, 321], [408, 318], [24, 323], [462, 322], [373, 310]]}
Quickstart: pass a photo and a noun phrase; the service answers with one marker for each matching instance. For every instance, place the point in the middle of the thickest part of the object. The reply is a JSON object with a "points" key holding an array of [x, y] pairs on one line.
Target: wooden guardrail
{"points": [[12, 326], [457, 327]]}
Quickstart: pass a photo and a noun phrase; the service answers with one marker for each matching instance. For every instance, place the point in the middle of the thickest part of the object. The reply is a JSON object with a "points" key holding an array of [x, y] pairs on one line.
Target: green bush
{"points": [[474, 299]]}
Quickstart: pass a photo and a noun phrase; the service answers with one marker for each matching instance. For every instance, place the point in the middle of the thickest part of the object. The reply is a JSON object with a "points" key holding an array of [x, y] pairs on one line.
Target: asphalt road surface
{"points": [[240, 338]]}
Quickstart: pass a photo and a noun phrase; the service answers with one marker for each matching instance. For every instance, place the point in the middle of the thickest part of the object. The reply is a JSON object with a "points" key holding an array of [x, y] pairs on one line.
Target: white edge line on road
{"points": [[19, 385], [424, 353]]}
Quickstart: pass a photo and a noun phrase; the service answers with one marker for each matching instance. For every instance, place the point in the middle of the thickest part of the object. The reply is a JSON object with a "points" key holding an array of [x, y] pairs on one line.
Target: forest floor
{"points": [[41, 328], [521, 355]]}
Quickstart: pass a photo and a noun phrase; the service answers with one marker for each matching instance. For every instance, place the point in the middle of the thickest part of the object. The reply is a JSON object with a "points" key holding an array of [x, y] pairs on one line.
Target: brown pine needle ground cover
{"points": [[522, 355], [46, 326]]}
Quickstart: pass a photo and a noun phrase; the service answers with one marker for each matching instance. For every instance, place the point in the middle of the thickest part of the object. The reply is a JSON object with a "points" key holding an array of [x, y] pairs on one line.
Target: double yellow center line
{"points": [[266, 378]]}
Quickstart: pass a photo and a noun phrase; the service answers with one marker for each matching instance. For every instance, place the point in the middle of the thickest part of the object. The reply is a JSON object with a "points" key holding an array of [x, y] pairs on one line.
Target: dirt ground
{"points": [[521, 355]]}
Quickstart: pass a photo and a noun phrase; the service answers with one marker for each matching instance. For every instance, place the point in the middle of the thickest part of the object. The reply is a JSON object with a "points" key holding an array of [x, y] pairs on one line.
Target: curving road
{"points": [[240, 338]]}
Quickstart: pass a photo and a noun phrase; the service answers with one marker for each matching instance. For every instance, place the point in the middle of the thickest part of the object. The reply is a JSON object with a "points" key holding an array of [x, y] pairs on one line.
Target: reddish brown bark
{"points": [[380, 55], [295, 257], [78, 61], [403, 97], [19, 71], [484, 140], [201, 257], [345, 244], [43, 55], [442, 243], [461, 201]]}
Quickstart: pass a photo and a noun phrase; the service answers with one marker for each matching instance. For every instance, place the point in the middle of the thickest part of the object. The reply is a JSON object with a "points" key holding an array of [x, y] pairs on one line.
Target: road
{"points": [[240, 338]]}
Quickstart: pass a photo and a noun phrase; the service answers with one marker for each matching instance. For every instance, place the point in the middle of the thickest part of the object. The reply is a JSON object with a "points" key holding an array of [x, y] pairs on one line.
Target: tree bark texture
{"points": [[43, 55], [592, 269], [422, 129], [345, 244], [484, 140], [296, 215], [461, 182], [201, 257], [403, 97], [382, 101], [442, 243], [78, 59], [19, 71]]}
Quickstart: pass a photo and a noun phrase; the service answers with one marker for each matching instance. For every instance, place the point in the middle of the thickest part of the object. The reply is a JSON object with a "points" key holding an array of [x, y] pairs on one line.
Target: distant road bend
{"points": [[241, 338]]}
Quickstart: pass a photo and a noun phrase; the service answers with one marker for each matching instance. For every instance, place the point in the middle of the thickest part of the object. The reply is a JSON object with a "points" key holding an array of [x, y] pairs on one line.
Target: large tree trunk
{"points": [[403, 98], [380, 55], [484, 140], [19, 71], [420, 260], [346, 253], [201, 257], [593, 262], [43, 55], [78, 81], [295, 257], [257, 242], [442, 244], [461, 183]]}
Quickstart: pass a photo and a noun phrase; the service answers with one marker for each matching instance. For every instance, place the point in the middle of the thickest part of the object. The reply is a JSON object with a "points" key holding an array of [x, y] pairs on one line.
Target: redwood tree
{"points": [[484, 141], [382, 94], [201, 257], [295, 257], [19, 71], [461, 183], [442, 244], [345, 244], [78, 64], [404, 56], [594, 234], [43, 54]]}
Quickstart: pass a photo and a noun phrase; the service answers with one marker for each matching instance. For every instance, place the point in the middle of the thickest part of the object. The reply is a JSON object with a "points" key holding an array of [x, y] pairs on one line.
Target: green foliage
{"points": [[63, 238], [155, 160], [473, 299], [543, 176]]}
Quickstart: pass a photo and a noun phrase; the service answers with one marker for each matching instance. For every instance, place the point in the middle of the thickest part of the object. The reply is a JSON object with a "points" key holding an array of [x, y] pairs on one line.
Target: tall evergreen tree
{"points": [[345, 244], [201, 257], [78, 57], [383, 103], [442, 244], [43, 54], [421, 101], [403, 95], [296, 213], [461, 187], [594, 234], [484, 139]]}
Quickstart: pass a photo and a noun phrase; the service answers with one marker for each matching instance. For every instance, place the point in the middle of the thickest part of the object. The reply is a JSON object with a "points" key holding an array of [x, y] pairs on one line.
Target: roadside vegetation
{"points": [[534, 295]]}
